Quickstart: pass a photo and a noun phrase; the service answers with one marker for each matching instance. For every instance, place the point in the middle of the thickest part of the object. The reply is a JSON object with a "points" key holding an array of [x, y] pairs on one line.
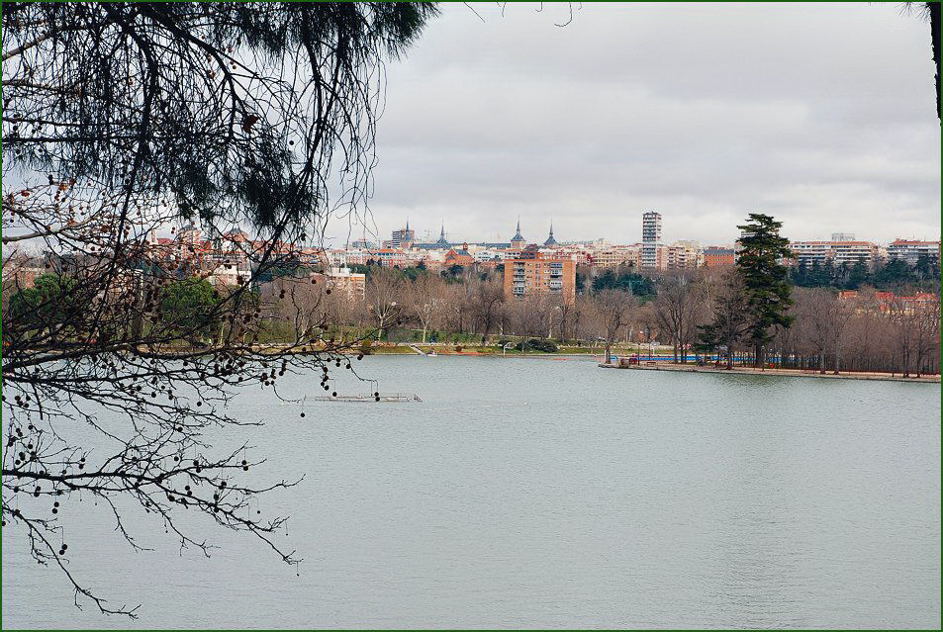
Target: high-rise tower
{"points": [[651, 238]]}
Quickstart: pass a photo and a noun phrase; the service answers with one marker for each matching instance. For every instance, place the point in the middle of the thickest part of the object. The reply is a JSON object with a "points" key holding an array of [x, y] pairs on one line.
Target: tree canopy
{"points": [[233, 110], [765, 278]]}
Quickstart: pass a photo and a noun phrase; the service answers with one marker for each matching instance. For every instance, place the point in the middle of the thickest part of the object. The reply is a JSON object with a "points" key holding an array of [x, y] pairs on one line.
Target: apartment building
{"points": [[616, 256], [719, 256], [683, 255], [911, 250], [838, 252], [539, 275], [651, 239]]}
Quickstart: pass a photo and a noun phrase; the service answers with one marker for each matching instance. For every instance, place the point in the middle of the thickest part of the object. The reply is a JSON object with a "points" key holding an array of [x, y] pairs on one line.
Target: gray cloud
{"points": [[820, 114]]}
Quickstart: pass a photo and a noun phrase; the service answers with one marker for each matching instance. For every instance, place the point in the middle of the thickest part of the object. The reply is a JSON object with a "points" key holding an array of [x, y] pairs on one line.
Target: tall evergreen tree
{"points": [[765, 278], [800, 274], [858, 275], [829, 274], [927, 267], [816, 277]]}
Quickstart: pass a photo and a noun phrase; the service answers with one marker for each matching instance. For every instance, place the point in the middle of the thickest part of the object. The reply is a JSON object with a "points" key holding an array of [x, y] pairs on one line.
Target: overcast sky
{"points": [[821, 115]]}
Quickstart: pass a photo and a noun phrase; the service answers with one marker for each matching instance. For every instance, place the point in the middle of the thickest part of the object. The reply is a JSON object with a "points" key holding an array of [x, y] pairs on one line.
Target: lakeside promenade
{"points": [[740, 370]]}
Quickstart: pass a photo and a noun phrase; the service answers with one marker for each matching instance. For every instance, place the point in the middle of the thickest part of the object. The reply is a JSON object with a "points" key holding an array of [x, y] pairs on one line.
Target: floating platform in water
{"points": [[392, 397]]}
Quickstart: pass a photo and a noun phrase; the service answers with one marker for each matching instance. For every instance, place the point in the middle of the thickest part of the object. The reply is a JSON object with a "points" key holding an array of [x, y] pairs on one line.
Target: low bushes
{"points": [[537, 344]]}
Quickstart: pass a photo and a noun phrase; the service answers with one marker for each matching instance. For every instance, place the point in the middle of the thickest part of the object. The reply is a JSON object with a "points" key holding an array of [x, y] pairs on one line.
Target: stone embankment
{"points": [[691, 368]]}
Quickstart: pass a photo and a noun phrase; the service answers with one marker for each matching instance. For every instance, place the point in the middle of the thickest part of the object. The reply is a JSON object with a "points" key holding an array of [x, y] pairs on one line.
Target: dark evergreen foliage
{"points": [[537, 344], [894, 275], [234, 110], [636, 284], [765, 279]]}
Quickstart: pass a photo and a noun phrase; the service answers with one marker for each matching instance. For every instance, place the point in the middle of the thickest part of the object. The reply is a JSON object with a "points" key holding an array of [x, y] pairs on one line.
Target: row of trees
{"points": [[894, 275], [427, 302], [750, 313]]}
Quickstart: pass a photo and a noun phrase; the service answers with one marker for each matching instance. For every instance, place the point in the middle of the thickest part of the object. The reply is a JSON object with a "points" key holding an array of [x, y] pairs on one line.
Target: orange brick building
{"points": [[540, 275], [716, 257]]}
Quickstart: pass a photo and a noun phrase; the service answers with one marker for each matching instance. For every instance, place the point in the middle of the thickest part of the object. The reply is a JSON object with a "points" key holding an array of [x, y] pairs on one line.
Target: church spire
{"points": [[550, 240], [442, 243], [518, 238]]}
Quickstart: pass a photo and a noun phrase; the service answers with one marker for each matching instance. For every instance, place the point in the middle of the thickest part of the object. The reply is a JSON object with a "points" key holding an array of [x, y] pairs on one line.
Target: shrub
{"points": [[537, 344]]}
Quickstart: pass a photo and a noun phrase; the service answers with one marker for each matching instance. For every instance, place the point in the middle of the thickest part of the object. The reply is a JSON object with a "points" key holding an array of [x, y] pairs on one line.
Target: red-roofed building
{"points": [[886, 301], [459, 257]]}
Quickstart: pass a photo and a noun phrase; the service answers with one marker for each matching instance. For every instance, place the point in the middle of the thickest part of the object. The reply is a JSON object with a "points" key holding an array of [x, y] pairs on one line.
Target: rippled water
{"points": [[551, 493]]}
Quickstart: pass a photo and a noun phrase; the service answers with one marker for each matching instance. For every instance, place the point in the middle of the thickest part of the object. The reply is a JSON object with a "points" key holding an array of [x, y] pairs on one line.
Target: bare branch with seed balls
{"points": [[124, 119]]}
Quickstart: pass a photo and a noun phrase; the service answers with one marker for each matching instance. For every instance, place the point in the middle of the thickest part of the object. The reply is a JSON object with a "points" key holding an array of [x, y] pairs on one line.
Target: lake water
{"points": [[549, 493]]}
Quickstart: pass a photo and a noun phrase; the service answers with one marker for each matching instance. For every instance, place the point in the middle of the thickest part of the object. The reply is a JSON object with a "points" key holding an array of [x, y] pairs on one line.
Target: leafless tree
{"points": [[915, 331], [730, 317], [486, 304], [927, 324], [565, 311], [814, 312], [427, 301], [385, 295], [616, 309], [678, 308], [299, 301]]}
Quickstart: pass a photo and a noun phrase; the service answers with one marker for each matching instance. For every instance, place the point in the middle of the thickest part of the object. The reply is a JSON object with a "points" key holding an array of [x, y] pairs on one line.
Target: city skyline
{"points": [[615, 113], [538, 234]]}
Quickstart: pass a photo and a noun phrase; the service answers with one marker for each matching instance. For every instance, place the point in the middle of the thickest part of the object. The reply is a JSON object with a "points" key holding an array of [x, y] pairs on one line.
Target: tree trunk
{"points": [[934, 8]]}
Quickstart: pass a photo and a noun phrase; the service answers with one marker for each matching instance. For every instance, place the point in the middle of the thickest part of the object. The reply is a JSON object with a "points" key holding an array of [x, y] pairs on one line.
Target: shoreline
{"points": [[689, 368], [478, 354]]}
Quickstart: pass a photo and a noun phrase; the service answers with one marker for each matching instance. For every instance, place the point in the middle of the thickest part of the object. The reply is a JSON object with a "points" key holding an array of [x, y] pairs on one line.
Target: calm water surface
{"points": [[549, 493]]}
